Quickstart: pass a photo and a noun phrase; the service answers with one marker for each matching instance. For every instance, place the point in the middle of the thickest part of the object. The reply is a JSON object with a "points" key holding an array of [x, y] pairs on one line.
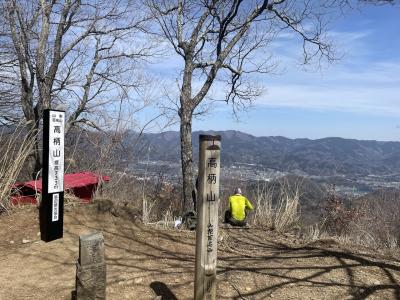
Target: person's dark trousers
{"points": [[230, 220]]}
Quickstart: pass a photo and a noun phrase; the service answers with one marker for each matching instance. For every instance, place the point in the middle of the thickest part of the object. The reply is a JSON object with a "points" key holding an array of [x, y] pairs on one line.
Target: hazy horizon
{"points": [[291, 138]]}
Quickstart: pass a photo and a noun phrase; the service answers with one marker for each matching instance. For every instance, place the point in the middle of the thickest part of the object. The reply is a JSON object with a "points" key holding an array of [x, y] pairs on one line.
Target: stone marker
{"points": [[91, 268]]}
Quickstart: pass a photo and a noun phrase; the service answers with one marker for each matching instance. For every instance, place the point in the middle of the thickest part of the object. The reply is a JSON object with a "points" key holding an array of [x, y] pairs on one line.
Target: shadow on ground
{"points": [[145, 262]]}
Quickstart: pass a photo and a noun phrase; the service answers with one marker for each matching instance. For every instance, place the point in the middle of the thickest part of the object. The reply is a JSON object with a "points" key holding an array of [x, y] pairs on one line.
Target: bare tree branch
{"points": [[225, 41], [83, 54]]}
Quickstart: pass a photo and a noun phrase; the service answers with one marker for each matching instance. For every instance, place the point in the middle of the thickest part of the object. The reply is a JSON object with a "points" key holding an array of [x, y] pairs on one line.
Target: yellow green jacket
{"points": [[237, 206]]}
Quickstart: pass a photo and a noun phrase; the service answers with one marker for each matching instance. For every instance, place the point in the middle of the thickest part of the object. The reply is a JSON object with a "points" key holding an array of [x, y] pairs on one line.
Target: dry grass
{"points": [[282, 215], [167, 221], [287, 213], [15, 149], [263, 212], [313, 232], [154, 201]]}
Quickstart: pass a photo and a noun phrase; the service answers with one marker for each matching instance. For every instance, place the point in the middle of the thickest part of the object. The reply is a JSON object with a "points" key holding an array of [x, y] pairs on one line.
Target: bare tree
{"points": [[221, 40], [9, 105], [82, 54], [9, 91]]}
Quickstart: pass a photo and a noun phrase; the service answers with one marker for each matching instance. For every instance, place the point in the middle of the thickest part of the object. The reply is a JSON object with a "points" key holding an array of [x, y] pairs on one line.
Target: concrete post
{"points": [[91, 268], [207, 217]]}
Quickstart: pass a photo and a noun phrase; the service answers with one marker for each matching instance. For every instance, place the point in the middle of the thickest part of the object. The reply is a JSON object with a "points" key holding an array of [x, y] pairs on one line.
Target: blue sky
{"points": [[356, 97]]}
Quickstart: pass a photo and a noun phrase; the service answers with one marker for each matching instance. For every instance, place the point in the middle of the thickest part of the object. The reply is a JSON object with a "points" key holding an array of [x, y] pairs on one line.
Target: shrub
{"points": [[337, 217], [15, 149], [371, 221]]}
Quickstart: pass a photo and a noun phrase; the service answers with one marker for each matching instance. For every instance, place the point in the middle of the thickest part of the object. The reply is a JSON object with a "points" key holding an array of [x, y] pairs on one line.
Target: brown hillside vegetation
{"points": [[144, 262]]}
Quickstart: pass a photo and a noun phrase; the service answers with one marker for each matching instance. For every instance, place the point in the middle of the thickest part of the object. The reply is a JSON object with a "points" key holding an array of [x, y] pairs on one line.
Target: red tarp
{"points": [[82, 185]]}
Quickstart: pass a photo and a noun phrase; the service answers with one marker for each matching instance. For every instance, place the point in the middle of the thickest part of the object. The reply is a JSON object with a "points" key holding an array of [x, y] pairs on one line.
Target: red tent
{"points": [[82, 185]]}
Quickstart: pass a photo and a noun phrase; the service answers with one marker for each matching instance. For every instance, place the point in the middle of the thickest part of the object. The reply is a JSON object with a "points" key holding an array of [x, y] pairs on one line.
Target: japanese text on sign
{"points": [[56, 152], [55, 207], [212, 162], [212, 178], [210, 234], [211, 196]]}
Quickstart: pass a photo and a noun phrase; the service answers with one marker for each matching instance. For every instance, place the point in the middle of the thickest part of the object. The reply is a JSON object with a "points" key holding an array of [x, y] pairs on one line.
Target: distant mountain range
{"points": [[321, 157]]}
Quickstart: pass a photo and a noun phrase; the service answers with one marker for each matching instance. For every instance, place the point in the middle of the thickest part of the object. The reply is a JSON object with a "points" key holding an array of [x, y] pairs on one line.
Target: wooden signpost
{"points": [[207, 212], [51, 212]]}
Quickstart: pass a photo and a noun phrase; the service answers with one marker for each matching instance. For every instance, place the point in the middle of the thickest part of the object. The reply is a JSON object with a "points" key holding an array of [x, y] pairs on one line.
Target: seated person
{"points": [[236, 214]]}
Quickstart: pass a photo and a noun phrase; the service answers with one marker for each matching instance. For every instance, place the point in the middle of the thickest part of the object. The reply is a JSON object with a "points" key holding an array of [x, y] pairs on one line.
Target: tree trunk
{"points": [[33, 116], [186, 159], [34, 160]]}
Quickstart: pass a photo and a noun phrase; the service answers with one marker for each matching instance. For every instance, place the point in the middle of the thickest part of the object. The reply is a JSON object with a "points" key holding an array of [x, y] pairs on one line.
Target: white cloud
{"points": [[358, 99], [358, 83], [362, 82]]}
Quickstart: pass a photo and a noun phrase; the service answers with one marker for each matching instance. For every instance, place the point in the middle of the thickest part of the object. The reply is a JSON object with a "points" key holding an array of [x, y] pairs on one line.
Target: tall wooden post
{"points": [[207, 214]]}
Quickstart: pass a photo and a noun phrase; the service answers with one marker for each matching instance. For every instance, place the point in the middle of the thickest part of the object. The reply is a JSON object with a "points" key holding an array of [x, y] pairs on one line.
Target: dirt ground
{"points": [[144, 261]]}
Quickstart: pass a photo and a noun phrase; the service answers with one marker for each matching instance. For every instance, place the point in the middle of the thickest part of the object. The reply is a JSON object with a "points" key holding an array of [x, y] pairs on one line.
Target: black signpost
{"points": [[51, 212]]}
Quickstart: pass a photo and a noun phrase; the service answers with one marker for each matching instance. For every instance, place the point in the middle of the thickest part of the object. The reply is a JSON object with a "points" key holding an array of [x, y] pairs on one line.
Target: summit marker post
{"points": [[207, 212], [51, 211]]}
